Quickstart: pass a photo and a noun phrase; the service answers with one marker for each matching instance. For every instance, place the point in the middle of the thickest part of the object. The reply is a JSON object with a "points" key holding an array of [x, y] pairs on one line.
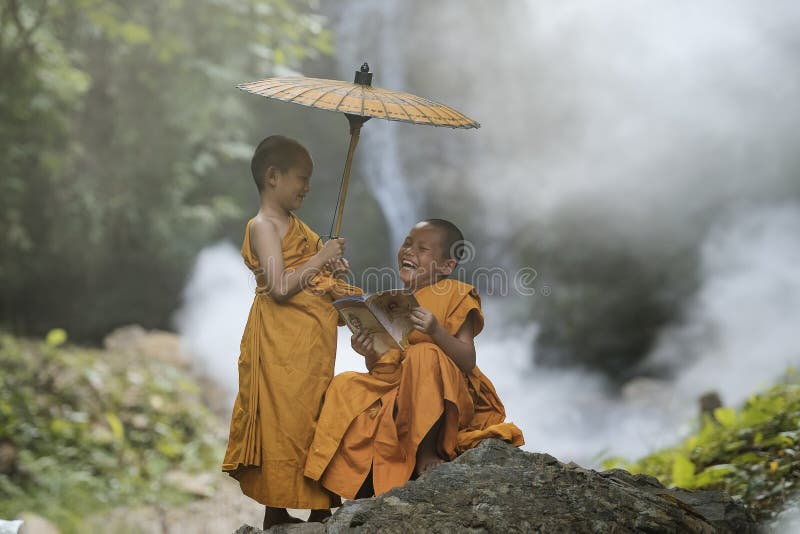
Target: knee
{"points": [[428, 353], [420, 352], [342, 379]]}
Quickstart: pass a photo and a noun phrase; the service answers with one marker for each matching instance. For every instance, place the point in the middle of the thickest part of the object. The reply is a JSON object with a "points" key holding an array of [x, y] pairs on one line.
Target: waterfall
{"points": [[370, 31]]}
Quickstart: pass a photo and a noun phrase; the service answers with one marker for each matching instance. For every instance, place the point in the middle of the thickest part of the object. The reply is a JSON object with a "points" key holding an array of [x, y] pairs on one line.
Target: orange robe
{"points": [[377, 420], [286, 362]]}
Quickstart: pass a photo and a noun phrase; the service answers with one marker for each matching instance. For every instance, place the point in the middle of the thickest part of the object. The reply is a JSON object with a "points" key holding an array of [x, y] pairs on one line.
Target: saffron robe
{"points": [[377, 420], [286, 362]]}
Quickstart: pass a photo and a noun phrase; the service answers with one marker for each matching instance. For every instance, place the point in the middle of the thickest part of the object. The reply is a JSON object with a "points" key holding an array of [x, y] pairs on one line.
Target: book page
{"points": [[360, 319], [392, 308]]}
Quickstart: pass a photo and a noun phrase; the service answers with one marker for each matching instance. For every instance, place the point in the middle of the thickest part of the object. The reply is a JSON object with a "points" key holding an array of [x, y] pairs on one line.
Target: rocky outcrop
{"points": [[156, 344], [499, 488]]}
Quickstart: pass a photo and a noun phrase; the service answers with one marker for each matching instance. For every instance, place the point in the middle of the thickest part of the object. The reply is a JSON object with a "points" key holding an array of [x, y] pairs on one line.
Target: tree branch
{"points": [[24, 34]]}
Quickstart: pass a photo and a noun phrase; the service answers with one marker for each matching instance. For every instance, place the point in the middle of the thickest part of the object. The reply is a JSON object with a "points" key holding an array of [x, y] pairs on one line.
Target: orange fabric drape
{"points": [[286, 362], [377, 420]]}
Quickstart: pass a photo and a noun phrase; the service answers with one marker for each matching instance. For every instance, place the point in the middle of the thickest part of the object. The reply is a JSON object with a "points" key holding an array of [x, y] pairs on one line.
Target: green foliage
{"points": [[96, 429], [752, 453], [125, 147]]}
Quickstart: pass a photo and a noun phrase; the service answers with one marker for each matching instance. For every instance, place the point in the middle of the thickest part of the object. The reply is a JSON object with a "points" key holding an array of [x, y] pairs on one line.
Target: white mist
{"points": [[738, 336]]}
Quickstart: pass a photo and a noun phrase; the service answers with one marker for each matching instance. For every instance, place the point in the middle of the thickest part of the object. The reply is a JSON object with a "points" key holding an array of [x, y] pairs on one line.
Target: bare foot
{"points": [[318, 516], [426, 460], [427, 455], [277, 516]]}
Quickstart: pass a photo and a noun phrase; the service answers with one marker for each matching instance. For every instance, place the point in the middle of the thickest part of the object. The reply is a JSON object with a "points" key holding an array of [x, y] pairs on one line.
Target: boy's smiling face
{"points": [[421, 260], [291, 187]]}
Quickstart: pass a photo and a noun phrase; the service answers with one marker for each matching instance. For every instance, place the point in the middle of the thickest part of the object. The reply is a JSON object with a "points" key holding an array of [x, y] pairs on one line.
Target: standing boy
{"points": [[289, 343]]}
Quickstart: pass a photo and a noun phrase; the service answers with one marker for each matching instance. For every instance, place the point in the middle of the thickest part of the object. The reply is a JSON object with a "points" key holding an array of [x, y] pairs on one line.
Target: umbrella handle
{"points": [[356, 122]]}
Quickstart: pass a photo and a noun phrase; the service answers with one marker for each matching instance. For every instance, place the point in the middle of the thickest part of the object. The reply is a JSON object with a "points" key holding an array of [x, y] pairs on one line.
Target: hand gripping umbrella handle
{"points": [[356, 121]]}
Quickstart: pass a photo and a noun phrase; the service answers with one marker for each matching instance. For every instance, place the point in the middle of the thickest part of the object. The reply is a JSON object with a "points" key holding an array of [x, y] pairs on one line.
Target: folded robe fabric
{"points": [[376, 421], [286, 362]]}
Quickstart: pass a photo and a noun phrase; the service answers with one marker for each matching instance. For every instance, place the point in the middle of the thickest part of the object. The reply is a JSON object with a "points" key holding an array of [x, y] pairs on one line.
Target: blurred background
{"points": [[642, 160]]}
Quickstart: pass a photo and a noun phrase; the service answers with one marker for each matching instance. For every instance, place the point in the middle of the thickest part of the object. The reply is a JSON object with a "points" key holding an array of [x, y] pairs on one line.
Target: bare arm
{"points": [[282, 283], [460, 348]]}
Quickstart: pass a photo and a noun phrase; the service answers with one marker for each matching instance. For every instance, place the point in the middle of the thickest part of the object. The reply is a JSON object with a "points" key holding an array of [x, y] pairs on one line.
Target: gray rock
{"points": [[10, 527], [499, 488], [296, 528], [156, 344], [36, 524]]}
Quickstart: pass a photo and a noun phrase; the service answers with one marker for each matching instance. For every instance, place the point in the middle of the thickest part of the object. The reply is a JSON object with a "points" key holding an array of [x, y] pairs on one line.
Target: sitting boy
{"points": [[419, 407]]}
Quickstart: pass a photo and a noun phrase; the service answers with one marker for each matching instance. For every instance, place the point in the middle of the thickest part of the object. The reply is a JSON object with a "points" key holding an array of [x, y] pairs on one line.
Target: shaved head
{"points": [[276, 151], [452, 238]]}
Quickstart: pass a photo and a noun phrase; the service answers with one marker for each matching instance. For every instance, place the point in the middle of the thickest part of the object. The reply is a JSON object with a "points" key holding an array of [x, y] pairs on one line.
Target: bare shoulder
{"points": [[264, 228], [264, 239]]}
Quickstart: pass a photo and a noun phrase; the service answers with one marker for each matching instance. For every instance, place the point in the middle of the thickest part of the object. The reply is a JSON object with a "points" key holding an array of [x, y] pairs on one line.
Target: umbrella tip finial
{"points": [[363, 76]]}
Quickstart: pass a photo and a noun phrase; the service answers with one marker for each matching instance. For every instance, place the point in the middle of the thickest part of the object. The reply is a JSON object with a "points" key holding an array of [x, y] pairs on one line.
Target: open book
{"points": [[384, 315]]}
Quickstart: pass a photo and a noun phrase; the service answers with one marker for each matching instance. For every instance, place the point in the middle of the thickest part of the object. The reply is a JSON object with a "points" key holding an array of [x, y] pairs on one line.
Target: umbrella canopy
{"points": [[359, 101]]}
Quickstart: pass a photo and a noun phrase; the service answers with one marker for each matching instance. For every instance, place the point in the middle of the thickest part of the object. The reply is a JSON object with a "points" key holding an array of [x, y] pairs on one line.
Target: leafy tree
{"points": [[124, 147]]}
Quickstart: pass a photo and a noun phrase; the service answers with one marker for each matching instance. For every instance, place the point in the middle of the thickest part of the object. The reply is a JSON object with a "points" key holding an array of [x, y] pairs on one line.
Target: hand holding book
{"points": [[385, 316], [364, 344], [423, 320]]}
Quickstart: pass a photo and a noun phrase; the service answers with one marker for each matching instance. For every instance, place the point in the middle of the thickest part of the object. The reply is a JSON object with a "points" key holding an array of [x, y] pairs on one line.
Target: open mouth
{"points": [[406, 264]]}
